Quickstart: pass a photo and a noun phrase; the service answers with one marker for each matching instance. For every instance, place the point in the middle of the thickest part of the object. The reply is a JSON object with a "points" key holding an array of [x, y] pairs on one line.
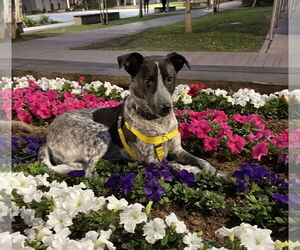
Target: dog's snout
{"points": [[166, 109]]}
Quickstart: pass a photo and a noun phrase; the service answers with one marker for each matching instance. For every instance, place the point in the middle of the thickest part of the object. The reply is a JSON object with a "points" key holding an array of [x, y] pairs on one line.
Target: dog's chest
{"points": [[145, 151]]}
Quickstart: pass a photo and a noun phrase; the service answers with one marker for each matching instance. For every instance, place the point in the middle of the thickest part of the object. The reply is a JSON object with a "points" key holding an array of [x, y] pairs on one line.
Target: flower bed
{"points": [[170, 209]]}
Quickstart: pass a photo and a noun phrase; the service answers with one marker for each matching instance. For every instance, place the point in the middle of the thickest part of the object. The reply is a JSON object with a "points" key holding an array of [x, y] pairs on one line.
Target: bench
{"points": [[160, 9], [95, 18]]}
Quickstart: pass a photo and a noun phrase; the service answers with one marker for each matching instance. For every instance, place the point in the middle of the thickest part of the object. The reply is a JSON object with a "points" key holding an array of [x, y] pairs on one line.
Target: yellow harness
{"points": [[156, 141]]}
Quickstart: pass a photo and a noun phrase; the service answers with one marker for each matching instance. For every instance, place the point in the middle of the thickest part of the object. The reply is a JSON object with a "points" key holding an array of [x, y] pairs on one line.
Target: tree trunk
{"points": [[86, 5], [125, 3], [118, 3], [254, 3], [13, 20], [188, 21], [141, 8]]}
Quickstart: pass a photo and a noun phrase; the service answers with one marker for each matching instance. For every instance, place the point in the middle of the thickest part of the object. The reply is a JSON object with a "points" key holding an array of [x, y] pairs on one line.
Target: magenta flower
{"points": [[184, 130], [236, 144], [295, 139], [200, 128], [259, 150], [24, 116], [240, 118], [224, 130], [211, 144]]}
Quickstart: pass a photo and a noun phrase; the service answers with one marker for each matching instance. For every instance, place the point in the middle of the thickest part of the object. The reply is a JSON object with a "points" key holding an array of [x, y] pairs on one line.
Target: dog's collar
{"points": [[156, 141]]}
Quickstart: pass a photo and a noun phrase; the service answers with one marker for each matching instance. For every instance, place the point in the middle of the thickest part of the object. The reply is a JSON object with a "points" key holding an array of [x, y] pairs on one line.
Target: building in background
{"points": [[29, 6]]}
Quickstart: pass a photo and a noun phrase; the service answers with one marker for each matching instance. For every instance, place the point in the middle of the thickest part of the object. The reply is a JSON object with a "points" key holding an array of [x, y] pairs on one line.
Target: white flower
{"points": [[108, 87], [79, 201], [172, 220], [27, 215], [59, 219], [220, 92], [14, 241], [132, 216], [115, 204], [214, 248], [4, 211], [57, 241], [125, 93], [258, 239], [100, 241], [154, 230], [192, 241], [76, 91]]}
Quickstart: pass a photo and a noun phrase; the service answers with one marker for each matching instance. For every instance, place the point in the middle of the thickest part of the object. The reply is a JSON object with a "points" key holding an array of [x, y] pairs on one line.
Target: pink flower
{"points": [[184, 130], [45, 110], [259, 150], [294, 139], [211, 144], [224, 130], [52, 94], [216, 116], [281, 141], [236, 144], [24, 116], [240, 118], [200, 128], [255, 137]]}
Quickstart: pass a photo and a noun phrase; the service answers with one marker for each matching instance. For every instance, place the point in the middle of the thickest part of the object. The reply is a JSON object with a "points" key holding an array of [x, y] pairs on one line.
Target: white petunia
{"points": [[13, 241], [27, 215], [4, 211], [132, 216], [100, 241], [125, 93], [258, 239], [172, 220], [154, 230], [192, 241], [59, 219], [215, 248], [115, 204]]}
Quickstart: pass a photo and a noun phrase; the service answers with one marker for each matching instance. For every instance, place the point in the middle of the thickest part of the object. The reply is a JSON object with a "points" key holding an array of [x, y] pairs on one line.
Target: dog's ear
{"points": [[177, 60], [131, 62]]}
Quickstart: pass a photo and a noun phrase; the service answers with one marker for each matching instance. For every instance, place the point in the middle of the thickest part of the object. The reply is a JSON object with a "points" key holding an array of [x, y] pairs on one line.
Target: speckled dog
{"points": [[77, 140]]}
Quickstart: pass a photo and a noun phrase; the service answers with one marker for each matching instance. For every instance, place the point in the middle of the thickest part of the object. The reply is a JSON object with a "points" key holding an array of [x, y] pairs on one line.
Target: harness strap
{"points": [[156, 141]]}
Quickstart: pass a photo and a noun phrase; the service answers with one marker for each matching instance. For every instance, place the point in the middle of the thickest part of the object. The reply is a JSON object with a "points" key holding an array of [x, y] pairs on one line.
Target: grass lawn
{"points": [[241, 30], [77, 28]]}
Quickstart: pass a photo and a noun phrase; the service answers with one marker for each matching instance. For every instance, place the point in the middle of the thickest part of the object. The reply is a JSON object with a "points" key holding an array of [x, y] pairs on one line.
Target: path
{"points": [[53, 54]]}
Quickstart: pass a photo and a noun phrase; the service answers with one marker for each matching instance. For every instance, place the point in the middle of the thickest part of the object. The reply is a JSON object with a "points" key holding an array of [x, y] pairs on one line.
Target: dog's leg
{"points": [[177, 153]]}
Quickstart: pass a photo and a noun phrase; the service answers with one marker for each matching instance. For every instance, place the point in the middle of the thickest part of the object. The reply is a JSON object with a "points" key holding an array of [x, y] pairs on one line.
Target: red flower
{"points": [[259, 150], [194, 89], [236, 144], [81, 80]]}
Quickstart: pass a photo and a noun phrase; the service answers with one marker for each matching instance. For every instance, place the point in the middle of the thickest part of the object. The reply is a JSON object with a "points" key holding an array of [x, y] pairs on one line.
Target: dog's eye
{"points": [[147, 83], [169, 79]]}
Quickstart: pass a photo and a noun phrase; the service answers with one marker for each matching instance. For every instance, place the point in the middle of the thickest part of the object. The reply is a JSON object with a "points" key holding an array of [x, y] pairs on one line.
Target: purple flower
{"points": [[114, 180], [282, 200], [294, 201], [241, 185], [15, 144], [127, 182], [32, 148], [165, 173], [153, 190], [186, 177], [77, 173]]}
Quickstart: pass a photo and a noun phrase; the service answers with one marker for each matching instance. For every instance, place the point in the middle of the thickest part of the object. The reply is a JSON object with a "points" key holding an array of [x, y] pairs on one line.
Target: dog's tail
{"points": [[44, 158]]}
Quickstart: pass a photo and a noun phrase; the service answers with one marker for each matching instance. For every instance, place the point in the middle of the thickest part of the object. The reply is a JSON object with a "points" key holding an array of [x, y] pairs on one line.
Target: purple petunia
{"points": [[153, 190], [253, 173], [282, 200], [76, 173], [186, 177], [114, 180], [158, 171], [127, 182]]}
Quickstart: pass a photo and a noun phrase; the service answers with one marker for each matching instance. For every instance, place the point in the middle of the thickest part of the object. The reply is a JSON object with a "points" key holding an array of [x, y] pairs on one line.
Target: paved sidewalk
{"points": [[54, 55]]}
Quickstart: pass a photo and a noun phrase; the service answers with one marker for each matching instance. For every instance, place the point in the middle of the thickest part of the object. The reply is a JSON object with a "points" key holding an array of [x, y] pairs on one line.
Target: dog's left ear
{"points": [[131, 62], [178, 61]]}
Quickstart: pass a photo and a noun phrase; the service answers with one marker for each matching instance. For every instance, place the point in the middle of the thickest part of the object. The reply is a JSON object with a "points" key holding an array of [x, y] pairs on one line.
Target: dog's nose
{"points": [[166, 109]]}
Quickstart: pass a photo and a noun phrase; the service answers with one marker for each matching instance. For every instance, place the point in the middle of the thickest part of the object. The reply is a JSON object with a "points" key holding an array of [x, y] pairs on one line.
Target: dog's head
{"points": [[153, 80]]}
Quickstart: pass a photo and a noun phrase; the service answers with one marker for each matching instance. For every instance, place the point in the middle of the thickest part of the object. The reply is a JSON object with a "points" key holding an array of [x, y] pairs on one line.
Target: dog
{"points": [[143, 128]]}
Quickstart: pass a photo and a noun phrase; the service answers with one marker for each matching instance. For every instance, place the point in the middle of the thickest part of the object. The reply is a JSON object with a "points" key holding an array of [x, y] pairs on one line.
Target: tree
{"points": [[141, 8], [188, 21]]}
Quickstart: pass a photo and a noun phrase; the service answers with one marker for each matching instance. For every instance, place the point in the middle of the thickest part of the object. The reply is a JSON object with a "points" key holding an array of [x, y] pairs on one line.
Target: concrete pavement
{"points": [[54, 55]]}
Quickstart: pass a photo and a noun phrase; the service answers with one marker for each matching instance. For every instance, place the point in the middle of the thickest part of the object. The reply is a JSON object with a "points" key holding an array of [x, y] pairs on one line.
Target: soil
{"points": [[261, 87]]}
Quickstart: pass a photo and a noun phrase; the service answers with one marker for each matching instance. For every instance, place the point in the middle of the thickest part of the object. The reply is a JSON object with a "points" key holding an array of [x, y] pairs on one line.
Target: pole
{"points": [[188, 22], [141, 8]]}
